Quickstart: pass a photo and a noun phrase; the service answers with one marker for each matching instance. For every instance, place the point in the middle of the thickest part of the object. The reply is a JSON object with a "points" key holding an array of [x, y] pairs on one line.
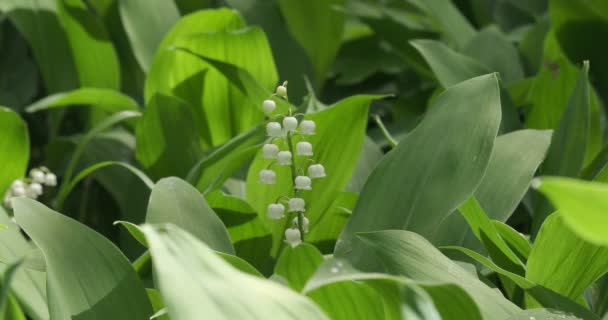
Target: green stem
{"points": [[391, 141], [293, 179]]}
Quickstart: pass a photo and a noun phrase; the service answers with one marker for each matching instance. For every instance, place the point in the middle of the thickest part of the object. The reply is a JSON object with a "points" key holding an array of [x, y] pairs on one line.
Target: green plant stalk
{"points": [[295, 191], [391, 141]]}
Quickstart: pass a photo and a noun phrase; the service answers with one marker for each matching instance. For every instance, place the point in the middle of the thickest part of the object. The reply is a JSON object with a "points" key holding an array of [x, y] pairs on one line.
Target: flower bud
{"points": [[308, 127], [290, 123], [50, 180], [35, 188], [284, 158], [19, 191], [270, 151], [275, 211], [269, 106], [303, 183], [37, 175], [305, 223], [293, 237], [17, 183], [304, 148], [282, 91], [273, 129], [268, 176], [296, 205], [316, 171]]}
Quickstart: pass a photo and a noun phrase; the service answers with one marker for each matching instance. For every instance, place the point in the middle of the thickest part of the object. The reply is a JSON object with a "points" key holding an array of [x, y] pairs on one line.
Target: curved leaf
{"points": [[105, 99], [14, 148]]}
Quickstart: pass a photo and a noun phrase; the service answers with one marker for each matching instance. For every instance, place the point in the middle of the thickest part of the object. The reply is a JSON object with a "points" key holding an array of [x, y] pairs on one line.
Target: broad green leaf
{"points": [[192, 280], [167, 143], [105, 99], [351, 300], [14, 148], [570, 141], [13, 310], [340, 131], [517, 155], [449, 66], [453, 24], [146, 23], [545, 314], [408, 189], [37, 21], [215, 34], [7, 279], [87, 276], [175, 201], [298, 264], [19, 78], [408, 254], [28, 285], [317, 25], [563, 261], [90, 44], [157, 304], [447, 299], [493, 49], [514, 239]]}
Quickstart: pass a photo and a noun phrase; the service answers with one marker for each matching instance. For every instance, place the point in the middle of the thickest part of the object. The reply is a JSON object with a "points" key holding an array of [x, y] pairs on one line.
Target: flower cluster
{"points": [[31, 187], [289, 130]]}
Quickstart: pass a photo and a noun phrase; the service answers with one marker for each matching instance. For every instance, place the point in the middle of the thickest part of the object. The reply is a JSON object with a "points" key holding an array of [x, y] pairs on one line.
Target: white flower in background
{"points": [[316, 171], [276, 211], [296, 205], [270, 151], [8, 200], [17, 183], [282, 91], [273, 129], [268, 176], [303, 183], [305, 223], [304, 148], [18, 191], [50, 179], [293, 237], [284, 158], [290, 123], [35, 188], [37, 175], [307, 127], [269, 106]]}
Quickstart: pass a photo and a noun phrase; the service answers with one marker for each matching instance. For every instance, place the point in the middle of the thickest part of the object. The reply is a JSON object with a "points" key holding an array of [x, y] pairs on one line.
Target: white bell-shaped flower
{"points": [[284, 158], [303, 183], [282, 91], [268, 176], [8, 200], [316, 171], [34, 188], [19, 191], [37, 175], [275, 211], [296, 205], [273, 129], [17, 184], [50, 179], [269, 106], [305, 223], [307, 127], [290, 123], [304, 148], [293, 237], [270, 151]]}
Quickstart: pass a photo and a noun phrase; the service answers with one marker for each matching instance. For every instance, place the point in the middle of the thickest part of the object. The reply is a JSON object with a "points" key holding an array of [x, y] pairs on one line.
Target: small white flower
{"points": [[282, 91], [303, 183], [50, 180], [268, 176], [35, 188], [304, 148], [19, 191], [316, 171], [31, 193], [269, 106], [270, 151], [305, 223], [8, 201], [293, 237], [276, 211], [290, 123], [284, 158], [273, 129], [17, 183], [37, 175], [296, 205], [308, 127]]}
